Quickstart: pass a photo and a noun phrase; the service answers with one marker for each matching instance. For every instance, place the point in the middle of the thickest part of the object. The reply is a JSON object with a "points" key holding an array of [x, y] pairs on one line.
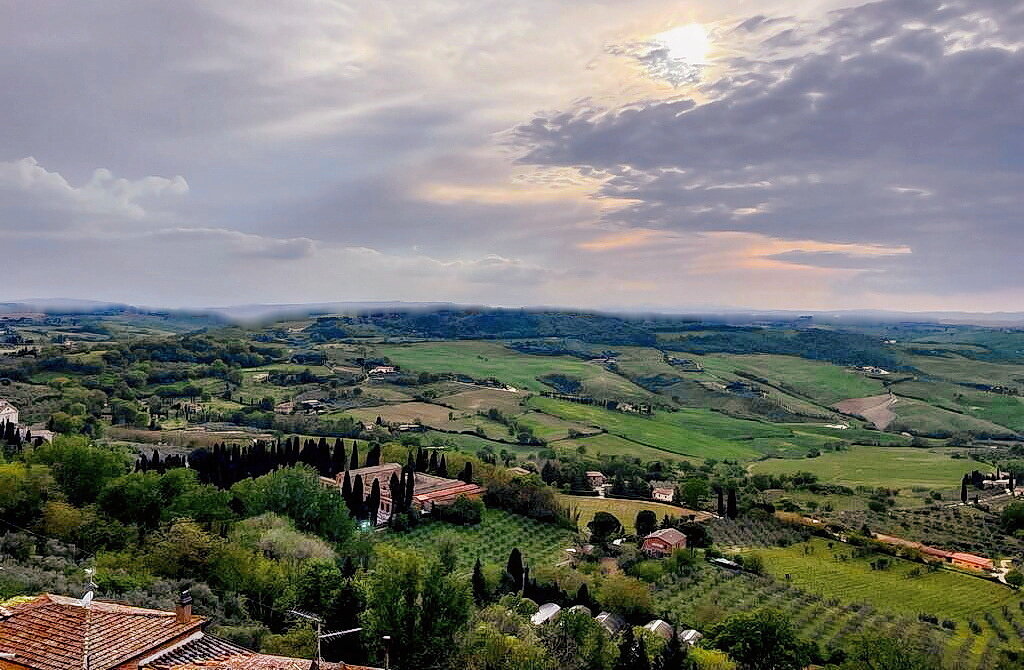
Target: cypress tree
{"points": [[673, 656], [346, 491], [963, 490], [467, 473], [421, 461], [628, 658], [373, 456], [410, 489], [721, 501], [396, 492], [730, 507], [515, 568], [432, 465], [338, 459], [583, 596], [357, 497], [354, 463], [442, 467], [373, 502], [479, 584]]}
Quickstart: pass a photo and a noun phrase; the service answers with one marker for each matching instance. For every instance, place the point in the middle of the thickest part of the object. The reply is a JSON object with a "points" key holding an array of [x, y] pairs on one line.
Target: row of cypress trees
{"points": [[224, 465]]}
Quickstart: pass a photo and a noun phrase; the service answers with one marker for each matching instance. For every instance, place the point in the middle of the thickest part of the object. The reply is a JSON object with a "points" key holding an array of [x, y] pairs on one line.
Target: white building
{"points": [[8, 412]]}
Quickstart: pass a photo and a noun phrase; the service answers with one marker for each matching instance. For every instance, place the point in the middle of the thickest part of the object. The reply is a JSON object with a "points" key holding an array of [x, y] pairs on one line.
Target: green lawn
{"points": [[813, 567], [892, 467], [491, 540]]}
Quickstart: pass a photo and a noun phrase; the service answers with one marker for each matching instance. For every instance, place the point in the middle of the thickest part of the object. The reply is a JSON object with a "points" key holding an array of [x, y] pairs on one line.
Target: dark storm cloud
{"points": [[902, 123]]}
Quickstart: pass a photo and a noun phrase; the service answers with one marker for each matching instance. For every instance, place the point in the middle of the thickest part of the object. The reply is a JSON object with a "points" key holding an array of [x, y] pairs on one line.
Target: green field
{"points": [[823, 383], [892, 467], [921, 418], [491, 540], [623, 510], [813, 567], [481, 360], [1000, 409], [697, 433]]}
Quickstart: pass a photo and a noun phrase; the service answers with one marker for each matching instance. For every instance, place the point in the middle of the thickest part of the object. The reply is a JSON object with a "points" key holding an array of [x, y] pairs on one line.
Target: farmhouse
{"points": [[956, 558], [663, 542], [595, 478], [663, 493], [382, 371], [51, 632], [518, 471], [428, 490]]}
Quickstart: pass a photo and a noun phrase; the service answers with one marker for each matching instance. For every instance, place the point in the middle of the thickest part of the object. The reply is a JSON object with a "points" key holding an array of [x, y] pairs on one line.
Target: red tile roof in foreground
{"points": [[58, 633], [264, 662]]}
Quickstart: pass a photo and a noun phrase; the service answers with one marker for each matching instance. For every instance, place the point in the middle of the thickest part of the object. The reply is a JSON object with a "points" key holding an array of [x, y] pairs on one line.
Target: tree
{"points": [[134, 498], [373, 456], [24, 489], [721, 501], [297, 494], [80, 468], [963, 490], [871, 652], [479, 584], [514, 569], [418, 606], [694, 490], [373, 502], [467, 473], [629, 652], [625, 595], [673, 655], [761, 640], [603, 527], [354, 462], [731, 510], [646, 522], [1012, 517]]}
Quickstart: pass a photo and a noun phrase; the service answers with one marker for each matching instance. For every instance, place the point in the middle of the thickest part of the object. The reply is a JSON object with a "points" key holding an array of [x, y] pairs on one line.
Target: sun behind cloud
{"points": [[689, 42]]}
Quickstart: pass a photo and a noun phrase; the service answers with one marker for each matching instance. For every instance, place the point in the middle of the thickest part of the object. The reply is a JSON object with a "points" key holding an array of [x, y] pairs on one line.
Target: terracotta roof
{"points": [[253, 661], [670, 535], [57, 633], [449, 494], [206, 648]]}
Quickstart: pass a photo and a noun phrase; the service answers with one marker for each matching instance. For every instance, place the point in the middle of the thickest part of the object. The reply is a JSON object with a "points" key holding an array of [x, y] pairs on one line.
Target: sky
{"points": [[769, 154]]}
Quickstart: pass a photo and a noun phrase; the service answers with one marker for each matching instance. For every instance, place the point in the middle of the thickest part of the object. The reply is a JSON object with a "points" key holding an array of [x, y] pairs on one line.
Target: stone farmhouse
{"points": [[51, 632], [428, 490]]}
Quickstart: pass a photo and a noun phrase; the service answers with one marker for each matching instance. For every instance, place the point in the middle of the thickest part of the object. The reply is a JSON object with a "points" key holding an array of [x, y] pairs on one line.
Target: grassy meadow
{"points": [[891, 467]]}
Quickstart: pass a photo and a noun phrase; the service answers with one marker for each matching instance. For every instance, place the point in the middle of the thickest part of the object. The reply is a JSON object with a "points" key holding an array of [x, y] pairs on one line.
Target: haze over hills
{"points": [[249, 313]]}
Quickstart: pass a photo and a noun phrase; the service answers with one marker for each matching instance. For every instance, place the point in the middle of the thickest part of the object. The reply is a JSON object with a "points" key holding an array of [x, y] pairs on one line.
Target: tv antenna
{"points": [[320, 635]]}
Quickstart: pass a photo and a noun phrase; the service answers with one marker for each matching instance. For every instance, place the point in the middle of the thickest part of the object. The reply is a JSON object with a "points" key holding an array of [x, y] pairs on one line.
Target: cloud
{"points": [[894, 125], [28, 187], [242, 244]]}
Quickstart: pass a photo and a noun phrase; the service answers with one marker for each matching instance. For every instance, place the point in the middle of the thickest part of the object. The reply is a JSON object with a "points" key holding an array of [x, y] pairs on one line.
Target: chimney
{"points": [[183, 610]]}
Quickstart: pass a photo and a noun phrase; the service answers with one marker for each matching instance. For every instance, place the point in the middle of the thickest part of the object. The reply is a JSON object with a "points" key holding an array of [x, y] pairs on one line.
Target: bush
{"points": [[464, 511]]}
